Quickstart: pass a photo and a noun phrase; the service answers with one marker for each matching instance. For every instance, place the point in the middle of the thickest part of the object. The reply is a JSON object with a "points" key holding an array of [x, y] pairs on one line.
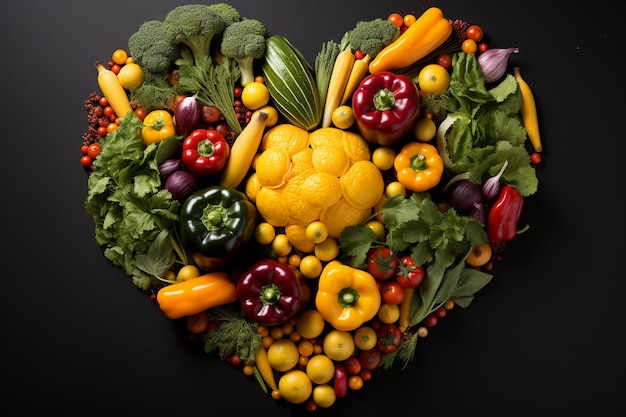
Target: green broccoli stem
{"points": [[200, 47]]}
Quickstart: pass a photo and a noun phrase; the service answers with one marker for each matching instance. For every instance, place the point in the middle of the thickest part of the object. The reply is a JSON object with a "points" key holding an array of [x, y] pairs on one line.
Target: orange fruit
{"points": [[326, 136], [296, 234], [433, 79], [331, 159], [272, 166], [287, 136], [362, 184], [271, 207], [356, 147], [252, 186], [294, 200], [321, 190], [340, 215], [343, 117]]}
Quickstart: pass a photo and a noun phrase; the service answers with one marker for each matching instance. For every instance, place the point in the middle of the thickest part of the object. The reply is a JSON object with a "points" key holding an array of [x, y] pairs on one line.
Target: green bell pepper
{"points": [[214, 223]]}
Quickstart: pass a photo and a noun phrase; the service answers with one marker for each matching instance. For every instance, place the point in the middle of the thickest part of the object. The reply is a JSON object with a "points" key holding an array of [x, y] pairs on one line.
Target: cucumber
{"points": [[291, 82]]}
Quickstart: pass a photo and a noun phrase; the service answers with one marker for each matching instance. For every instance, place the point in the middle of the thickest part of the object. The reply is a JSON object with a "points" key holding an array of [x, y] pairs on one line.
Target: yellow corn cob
{"points": [[113, 91], [337, 85], [358, 72], [529, 111]]}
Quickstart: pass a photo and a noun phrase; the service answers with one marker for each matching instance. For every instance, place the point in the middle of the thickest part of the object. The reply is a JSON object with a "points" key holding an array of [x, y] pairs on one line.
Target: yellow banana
{"points": [[529, 111]]}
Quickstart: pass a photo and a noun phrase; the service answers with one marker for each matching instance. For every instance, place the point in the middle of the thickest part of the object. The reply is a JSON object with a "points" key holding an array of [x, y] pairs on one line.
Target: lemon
{"points": [[283, 355], [321, 190], [130, 76], [316, 231], [433, 79], [324, 395], [343, 117], [320, 369], [331, 159], [295, 386], [255, 95], [327, 250], [310, 323], [362, 184], [338, 345], [424, 129]]}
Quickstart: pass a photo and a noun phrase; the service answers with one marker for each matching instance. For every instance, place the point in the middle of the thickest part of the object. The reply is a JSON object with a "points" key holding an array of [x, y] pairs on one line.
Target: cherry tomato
{"points": [[409, 19], [430, 320], [112, 127], [482, 47], [108, 111], [392, 293], [469, 46], [85, 161], [358, 54], [389, 338], [396, 18], [116, 68], [93, 150], [409, 275], [382, 263], [141, 113], [535, 158], [445, 60], [353, 366], [103, 101], [475, 33], [210, 114], [102, 131], [84, 149]]}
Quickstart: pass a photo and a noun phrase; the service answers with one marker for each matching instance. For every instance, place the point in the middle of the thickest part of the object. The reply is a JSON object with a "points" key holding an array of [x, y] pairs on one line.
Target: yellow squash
{"points": [[112, 90], [529, 112], [338, 81]]}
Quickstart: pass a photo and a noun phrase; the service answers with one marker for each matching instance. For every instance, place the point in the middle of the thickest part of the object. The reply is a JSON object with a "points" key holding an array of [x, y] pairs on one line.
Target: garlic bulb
{"points": [[493, 62]]}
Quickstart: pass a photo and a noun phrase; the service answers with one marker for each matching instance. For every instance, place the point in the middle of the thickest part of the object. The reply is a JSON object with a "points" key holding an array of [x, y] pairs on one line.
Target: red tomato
{"points": [[445, 60], [389, 338], [94, 150], [409, 275], [370, 359], [431, 320], [382, 263], [103, 101], [102, 131], [141, 113], [108, 111], [397, 19], [482, 47], [116, 68], [353, 366], [85, 161], [392, 293], [475, 33], [84, 149], [535, 158], [358, 54]]}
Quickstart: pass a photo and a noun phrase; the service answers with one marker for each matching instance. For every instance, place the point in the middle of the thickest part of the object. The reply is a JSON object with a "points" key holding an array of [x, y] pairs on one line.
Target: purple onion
{"points": [[493, 62], [186, 116], [169, 166], [491, 187], [181, 184], [464, 194]]}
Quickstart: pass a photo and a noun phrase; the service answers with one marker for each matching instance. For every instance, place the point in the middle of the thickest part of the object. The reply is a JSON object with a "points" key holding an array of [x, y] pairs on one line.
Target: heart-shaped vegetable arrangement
{"points": [[308, 222]]}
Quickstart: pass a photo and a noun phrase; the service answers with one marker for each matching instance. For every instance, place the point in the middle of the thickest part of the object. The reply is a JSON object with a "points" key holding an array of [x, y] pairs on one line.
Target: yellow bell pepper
{"points": [[346, 297], [418, 166], [158, 125]]}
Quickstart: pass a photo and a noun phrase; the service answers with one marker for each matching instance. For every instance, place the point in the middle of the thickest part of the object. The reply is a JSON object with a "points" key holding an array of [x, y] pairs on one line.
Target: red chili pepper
{"points": [[269, 292], [504, 215], [205, 152], [385, 107]]}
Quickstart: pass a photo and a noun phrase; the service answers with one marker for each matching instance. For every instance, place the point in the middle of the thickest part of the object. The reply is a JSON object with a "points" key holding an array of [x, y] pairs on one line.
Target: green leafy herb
{"points": [[324, 61], [234, 334], [159, 257], [125, 198]]}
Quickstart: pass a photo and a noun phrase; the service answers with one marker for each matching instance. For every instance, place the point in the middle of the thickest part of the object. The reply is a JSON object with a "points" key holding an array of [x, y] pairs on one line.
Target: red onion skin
{"points": [[169, 166], [493, 62], [464, 194], [181, 184], [186, 116]]}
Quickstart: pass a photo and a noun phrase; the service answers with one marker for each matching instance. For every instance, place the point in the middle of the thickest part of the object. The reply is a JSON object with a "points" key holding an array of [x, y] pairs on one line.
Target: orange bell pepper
{"points": [[418, 166]]}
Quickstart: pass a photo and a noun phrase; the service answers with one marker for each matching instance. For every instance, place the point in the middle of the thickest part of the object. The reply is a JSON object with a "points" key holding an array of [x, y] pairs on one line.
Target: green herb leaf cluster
{"points": [[129, 207], [234, 334]]}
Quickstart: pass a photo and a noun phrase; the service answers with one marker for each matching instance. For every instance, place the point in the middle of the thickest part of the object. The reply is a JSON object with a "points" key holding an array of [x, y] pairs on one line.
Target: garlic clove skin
{"points": [[493, 62]]}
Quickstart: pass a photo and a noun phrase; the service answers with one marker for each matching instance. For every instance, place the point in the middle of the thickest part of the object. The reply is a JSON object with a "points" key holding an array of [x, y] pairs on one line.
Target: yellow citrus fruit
{"points": [[338, 345], [388, 313], [294, 200], [395, 188], [343, 117], [283, 354], [433, 79], [362, 184], [316, 231], [327, 250], [383, 157], [324, 395], [255, 95], [331, 159], [320, 369], [287, 136], [300, 161], [365, 337], [356, 147], [311, 266], [378, 228], [130, 76], [188, 272], [295, 386], [310, 323], [340, 215], [272, 167], [296, 234], [271, 207], [281, 244], [264, 233], [119, 56], [424, 129], [321, 190], [326, 136], [252, 186]]}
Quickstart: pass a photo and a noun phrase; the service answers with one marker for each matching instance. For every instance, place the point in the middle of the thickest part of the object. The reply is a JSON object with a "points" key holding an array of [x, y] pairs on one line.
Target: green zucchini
{"points": [[291, 83]]}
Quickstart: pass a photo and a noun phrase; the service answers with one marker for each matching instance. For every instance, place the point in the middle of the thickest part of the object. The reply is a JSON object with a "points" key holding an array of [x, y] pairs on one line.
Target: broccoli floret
{"points": [[193, 25], [244, 41], [227, 12], [156, 92], [150, 48], [372, 36]]}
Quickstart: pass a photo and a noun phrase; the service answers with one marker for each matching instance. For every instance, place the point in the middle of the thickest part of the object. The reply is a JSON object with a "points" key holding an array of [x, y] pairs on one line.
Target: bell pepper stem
{"points": [[206, 148], [348, 297], [419, 163], [270, 294], [384, 99], [214, 216]]}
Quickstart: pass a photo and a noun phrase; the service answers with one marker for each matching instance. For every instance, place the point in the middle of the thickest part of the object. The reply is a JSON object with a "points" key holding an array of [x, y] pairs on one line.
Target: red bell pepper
{"points": [[205, 152], [269, 292], [504, 215], [385, 107]]}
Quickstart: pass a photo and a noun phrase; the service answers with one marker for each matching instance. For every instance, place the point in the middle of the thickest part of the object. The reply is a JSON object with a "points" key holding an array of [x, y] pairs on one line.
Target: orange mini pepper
{"points": [[196, 294], [418, 166]]}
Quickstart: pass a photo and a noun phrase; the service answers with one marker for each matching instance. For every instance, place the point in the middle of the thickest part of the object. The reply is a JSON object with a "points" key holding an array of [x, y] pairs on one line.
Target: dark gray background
{"points": [[545, 338]]}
